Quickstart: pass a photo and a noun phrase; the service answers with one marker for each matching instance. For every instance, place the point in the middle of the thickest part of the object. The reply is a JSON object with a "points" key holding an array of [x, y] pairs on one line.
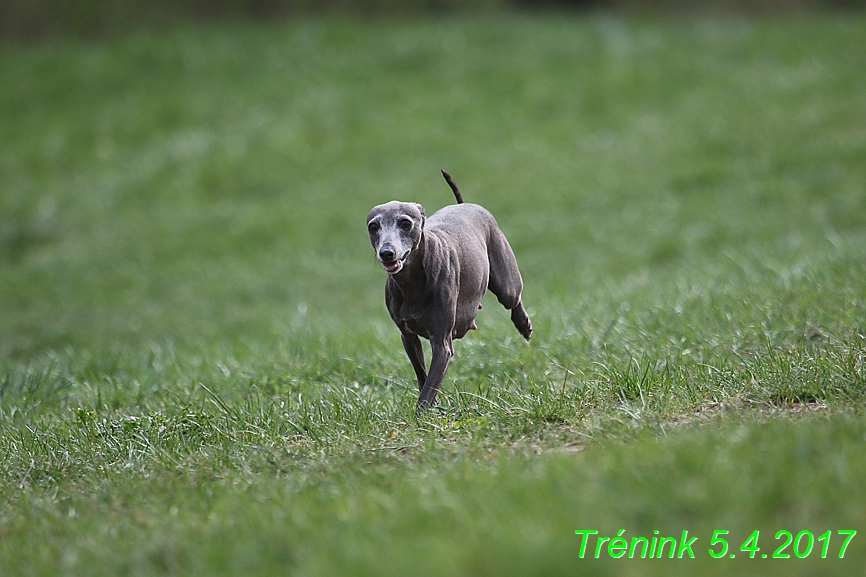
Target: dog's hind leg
{"points": [[521, 320], [505, 281]]}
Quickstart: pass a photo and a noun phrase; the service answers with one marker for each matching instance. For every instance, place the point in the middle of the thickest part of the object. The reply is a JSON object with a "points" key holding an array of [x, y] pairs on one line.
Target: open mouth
{"points": [[393, 266]]}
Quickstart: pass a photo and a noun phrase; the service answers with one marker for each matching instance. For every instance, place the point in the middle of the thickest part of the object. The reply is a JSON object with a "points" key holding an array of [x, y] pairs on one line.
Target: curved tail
{"points": [[453, 187]]}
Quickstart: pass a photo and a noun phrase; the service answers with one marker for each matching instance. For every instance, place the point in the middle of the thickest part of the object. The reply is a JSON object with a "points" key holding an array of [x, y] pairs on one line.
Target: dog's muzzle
{"points": [[389, 260]]}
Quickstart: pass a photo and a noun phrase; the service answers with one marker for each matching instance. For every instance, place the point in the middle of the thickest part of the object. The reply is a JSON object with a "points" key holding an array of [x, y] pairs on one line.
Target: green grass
{"points": [[198, 374]]}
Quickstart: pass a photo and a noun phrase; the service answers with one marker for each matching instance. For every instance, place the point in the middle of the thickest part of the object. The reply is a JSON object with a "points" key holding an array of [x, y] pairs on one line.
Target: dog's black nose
{"points": [[386, 254]]}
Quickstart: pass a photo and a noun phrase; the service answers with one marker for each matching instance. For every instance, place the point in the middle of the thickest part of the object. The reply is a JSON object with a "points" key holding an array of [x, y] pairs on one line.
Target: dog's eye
{"points": [[373, 227], [405, 224]]}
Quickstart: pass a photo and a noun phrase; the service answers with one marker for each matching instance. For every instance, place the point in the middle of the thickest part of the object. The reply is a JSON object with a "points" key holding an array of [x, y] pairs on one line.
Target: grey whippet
{"points": [[438, 270]]}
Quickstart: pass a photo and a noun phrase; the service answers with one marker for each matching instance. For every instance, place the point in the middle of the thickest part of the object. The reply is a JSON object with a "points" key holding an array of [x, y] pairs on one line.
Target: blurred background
{"points": [[199, 172], [31, 19]]}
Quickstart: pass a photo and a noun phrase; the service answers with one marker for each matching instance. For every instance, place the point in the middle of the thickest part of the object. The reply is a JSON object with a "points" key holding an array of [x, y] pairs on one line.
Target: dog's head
{"points": [[395, 231]]}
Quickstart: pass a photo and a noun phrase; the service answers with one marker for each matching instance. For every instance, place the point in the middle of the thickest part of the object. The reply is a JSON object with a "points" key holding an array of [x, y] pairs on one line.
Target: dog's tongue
{"points": [[389, 266]]}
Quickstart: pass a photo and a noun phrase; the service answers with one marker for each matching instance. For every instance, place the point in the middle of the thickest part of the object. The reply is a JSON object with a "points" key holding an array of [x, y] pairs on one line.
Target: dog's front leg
{"points": [[412, 346], [442, 351]]}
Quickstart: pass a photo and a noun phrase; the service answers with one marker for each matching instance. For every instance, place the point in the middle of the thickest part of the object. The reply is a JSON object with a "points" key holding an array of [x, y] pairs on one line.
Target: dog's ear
{"points": [[421, 210]]}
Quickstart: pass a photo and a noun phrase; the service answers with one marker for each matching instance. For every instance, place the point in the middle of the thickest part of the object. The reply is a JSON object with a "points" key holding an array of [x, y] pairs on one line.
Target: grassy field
{"points": [[198, 375]]}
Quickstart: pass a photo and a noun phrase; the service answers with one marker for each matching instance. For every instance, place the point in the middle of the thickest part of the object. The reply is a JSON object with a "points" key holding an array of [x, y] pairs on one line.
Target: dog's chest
{"points": [[412, 316], [406, 310], [410, 319]]}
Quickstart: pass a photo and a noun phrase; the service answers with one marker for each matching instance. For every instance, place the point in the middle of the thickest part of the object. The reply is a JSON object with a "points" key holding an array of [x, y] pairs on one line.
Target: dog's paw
{"points": [[521, 322]]}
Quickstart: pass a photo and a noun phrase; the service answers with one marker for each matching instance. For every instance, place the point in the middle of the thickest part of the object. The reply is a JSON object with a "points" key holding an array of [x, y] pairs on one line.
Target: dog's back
{"points": [[463, 221]]}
